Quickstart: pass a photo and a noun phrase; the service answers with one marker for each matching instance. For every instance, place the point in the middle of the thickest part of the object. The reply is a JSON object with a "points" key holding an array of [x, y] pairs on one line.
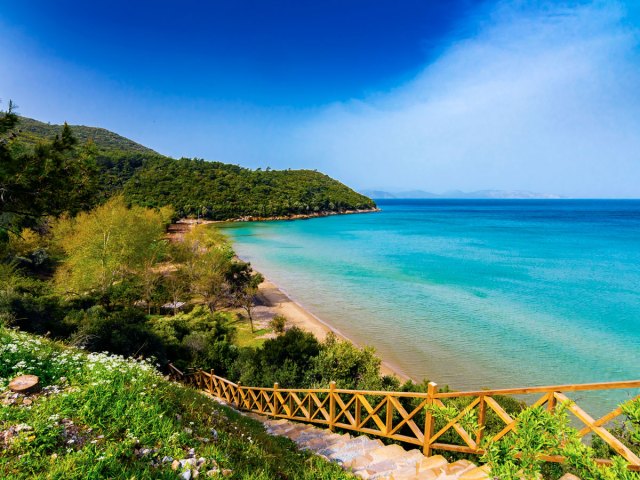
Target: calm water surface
{"points": [[471, 293]]}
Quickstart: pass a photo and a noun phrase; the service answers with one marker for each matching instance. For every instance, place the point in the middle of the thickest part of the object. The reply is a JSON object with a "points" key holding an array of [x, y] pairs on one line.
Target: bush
{"points": [[627, 430], [517, 455], [198, 339], [278, 323], [38, 314], [124, 332], [347, 365], [284, 360]]}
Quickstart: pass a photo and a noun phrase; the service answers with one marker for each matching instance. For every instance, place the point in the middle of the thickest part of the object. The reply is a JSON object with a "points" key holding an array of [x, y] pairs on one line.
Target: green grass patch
{"points": [[103, 416], [245, 337]]}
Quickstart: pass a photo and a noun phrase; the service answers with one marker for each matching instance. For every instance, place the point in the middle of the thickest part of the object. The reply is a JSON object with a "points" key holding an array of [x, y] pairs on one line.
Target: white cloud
{"points": [[540, 98]]}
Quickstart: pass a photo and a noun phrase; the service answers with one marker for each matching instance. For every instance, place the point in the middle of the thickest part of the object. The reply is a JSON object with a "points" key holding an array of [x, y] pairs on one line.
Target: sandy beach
{"points": [[274, 301]]}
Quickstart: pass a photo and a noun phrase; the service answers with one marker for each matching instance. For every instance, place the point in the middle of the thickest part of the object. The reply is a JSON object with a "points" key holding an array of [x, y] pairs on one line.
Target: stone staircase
{"points": [[371, 459]]}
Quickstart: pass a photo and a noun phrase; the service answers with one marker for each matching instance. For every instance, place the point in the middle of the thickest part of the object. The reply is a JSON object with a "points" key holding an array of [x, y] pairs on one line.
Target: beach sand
{"points": [[273, 301]]}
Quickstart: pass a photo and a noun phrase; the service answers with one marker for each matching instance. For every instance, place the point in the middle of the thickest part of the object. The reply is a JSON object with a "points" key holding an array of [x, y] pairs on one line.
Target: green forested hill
{"points": [[221, 191], [31, 131], [214, 190], [116, 156]]}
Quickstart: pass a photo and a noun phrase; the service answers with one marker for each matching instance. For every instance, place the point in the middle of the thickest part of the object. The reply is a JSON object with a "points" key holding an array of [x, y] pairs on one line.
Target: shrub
{"points": [[346, 364], [284, 359], [539, 431], [198, 339], [279, 323], [124, 332]]}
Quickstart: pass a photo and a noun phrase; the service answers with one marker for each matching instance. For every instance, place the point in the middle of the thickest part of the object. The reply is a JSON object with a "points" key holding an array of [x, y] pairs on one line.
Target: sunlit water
{"points": [[471, 293]]}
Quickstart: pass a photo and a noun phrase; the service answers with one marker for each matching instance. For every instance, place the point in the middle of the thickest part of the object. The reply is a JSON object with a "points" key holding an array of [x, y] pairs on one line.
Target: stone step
{"points": [[321, 442], [277, 421], [479, 473], [411, 473], [458, 468], [297, 432], [358, 446], [345, 444], [369, 458], [354, 448], [279, 429], [257, 417]]}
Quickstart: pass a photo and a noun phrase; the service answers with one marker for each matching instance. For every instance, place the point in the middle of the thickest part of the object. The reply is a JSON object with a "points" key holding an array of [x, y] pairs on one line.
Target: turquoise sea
{"points": [[471, 293]]}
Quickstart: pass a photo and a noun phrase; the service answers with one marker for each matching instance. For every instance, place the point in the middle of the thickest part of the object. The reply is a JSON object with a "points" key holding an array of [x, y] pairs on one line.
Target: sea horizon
{"points": [[471, 293]]}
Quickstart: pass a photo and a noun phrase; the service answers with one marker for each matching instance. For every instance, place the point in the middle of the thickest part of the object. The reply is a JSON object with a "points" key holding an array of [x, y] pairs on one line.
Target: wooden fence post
{"points": [[290, 405], [388, 424], [332, 406], [239, 396], [275, 399], [482, 414], [551, 403], [211, 382], [432, 389]]}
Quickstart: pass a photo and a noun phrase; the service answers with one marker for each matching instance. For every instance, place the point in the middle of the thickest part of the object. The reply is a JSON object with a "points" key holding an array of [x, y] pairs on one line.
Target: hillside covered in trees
{"points": [[193, 187], [220, 191], [32, 131]]}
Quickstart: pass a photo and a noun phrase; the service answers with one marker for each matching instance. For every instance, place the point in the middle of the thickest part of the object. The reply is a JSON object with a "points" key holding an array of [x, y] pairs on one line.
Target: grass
{"points": [[98, 414], [245, 337]]}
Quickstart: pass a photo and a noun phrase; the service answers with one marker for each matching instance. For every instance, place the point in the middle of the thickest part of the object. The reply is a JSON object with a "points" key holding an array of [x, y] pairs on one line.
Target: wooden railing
{"points": [[410, 417]]}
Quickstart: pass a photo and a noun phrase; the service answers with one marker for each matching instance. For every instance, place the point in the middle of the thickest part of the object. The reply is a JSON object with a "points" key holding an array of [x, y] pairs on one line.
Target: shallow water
{"points": [[471, 293]]}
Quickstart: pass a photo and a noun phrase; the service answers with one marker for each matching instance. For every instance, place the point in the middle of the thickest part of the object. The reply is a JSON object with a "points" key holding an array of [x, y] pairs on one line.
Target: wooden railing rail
{"points": [[411, 417], [555, 388]]}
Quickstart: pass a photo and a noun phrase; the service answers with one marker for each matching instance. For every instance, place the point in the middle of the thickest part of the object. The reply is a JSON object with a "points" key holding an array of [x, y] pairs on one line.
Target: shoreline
{"points": [[277, 301], [298, 216], [303, 216]]}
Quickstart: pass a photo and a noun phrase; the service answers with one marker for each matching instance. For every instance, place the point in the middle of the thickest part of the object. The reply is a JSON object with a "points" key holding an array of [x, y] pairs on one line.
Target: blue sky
{"points": [[515, 95]]}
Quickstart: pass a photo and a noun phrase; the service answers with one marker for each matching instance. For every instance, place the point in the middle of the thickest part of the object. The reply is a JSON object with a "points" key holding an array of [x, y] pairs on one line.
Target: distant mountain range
{"points": [[381, 194]]}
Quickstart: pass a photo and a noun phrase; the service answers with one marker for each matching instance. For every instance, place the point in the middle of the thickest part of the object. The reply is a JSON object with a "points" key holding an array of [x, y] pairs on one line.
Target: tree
{"points": [[244, 283], [209, 278], [149, 276], [8, 119], [284, 359], [230, 191], [246, 296], [54, 177], [176, 283], [107, 245], [205, 255]]}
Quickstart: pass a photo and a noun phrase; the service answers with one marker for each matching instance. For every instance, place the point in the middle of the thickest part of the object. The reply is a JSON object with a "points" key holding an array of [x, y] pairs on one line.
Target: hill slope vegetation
{"points": [[101, 416], [195, 187], [32, 131]]}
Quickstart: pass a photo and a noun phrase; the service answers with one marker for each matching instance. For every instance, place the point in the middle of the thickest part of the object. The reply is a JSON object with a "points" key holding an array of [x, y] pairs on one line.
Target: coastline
{"points": [[273, 300], [277, 302], [301, 216], [189, 222]]}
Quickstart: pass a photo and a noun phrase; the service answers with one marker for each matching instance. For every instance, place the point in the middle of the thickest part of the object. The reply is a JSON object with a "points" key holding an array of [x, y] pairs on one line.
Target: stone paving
{"points": [[371, 459]]}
